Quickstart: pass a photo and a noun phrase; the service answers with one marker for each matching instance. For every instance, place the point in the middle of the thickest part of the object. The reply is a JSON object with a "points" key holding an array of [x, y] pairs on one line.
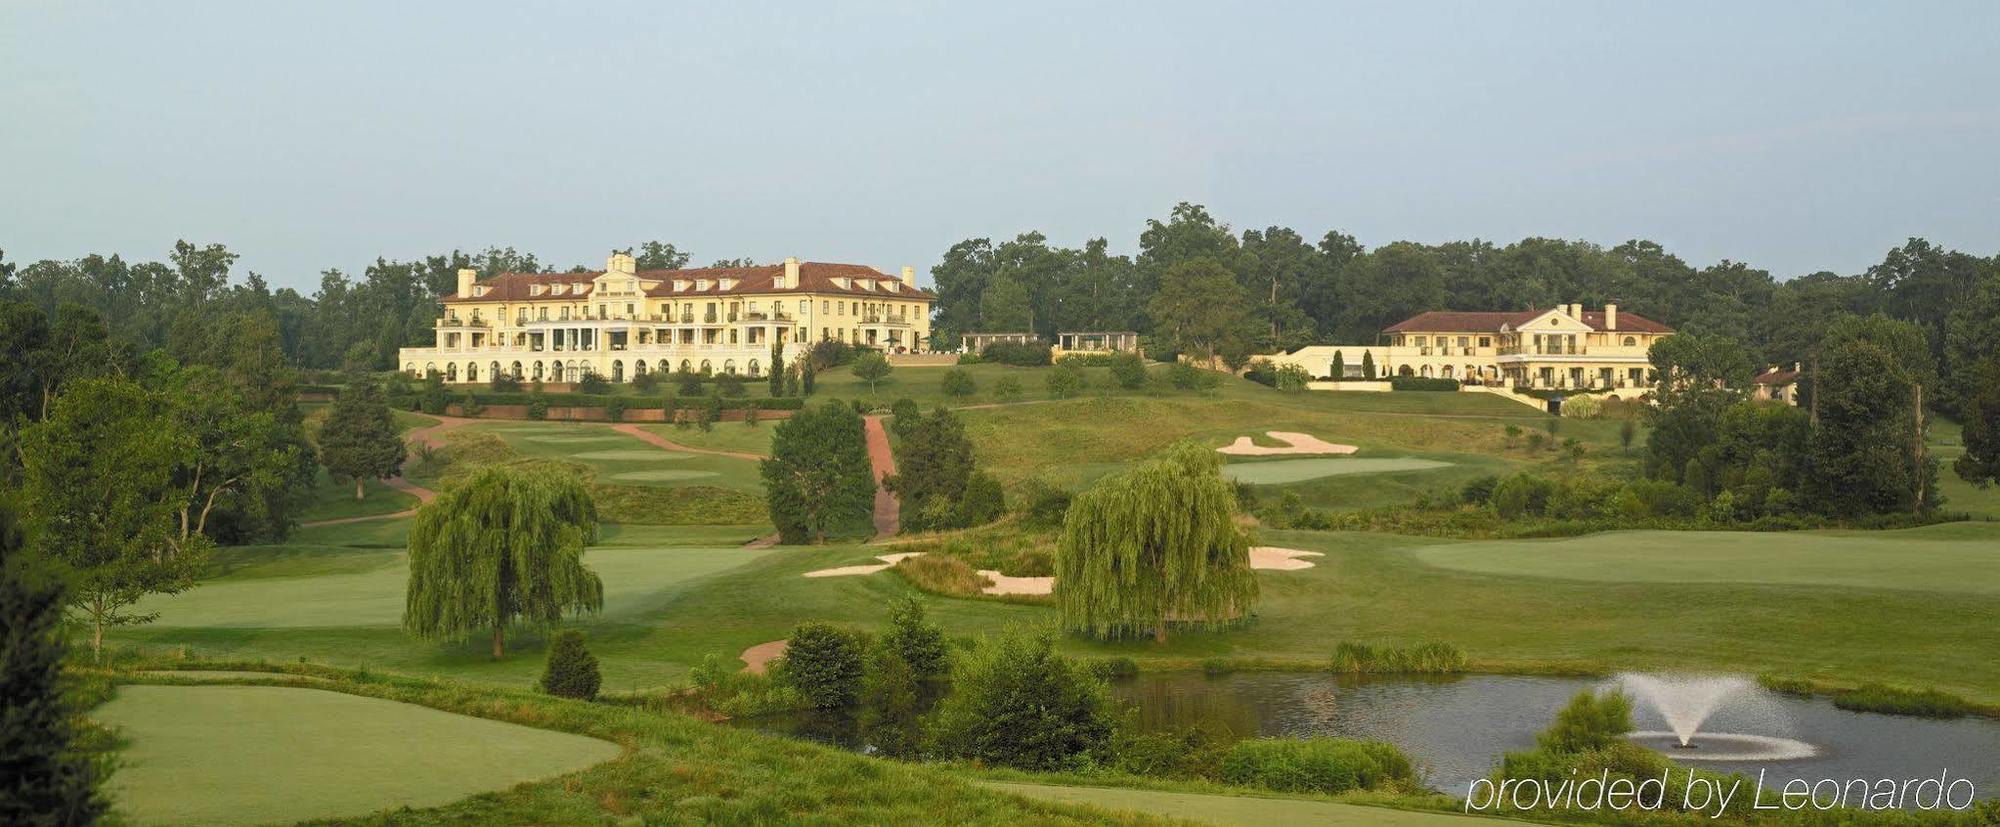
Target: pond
{"points": [[1279, 472], [1456, 728]]}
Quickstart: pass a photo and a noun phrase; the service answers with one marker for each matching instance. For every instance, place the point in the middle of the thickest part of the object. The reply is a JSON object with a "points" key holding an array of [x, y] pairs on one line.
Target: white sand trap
{"points": [[1272, 558], [1002, 584], [757, 659], [1295, 443], [851, 571], [575, 439]]}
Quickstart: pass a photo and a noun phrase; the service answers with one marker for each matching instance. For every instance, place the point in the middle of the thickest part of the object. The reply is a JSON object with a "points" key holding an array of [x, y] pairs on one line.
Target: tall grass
{"points": [[1922, 703], [1427, 658]]}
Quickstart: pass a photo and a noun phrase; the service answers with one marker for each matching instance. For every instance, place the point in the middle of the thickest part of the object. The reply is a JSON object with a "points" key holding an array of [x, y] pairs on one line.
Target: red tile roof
{"points": [[1777, 377], [814, 277], [1453, 321]]}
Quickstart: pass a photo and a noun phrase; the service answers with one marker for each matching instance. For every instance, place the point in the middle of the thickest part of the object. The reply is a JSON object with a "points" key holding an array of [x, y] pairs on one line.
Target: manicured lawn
{"points": [[667, 613], [334, 500], [1924, 559], [220, 755], [1236, 810], [622, 459], [724, 436], [1947, 445]]}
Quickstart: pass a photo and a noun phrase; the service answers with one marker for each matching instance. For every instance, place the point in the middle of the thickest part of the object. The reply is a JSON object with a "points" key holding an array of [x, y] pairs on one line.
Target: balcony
{"points": [[450, 321], [885, 321]]}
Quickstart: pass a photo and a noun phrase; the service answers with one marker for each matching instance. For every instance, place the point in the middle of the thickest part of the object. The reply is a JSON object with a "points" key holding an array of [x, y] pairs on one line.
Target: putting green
{"points": [[572, 439], [663, 475], [1249, 811], [635, 580], [1283, 471], [633, 454], [1924, 559], [261, 754]]}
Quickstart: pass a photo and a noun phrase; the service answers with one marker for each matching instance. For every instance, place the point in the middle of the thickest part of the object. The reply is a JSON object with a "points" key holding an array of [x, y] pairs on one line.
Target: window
{"points": [[1631, 341], [1423, 340], [1485, 341]]}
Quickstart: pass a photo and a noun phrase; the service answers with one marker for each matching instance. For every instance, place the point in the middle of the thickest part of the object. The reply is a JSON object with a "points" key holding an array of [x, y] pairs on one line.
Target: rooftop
{"points": [[814, 277]]}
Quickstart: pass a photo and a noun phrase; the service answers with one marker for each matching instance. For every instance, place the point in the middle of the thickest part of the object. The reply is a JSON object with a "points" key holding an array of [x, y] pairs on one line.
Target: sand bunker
{"points": [[1272, 558], [1282, 471], [632, 454], [851, 571], [757, 659], [574, 439], [1295, 443], [1002, 584]]}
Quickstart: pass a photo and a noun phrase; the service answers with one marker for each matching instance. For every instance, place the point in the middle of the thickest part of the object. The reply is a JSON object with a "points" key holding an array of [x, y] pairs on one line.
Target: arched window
{"points": [[1446, 372], [706, 368], [638, 368], [1631, 341], [617, 370], [493, 371], [430, 368], [410, 368], [517, 370], [451, 371], [753, 368], [1405, 371], [539, 371], [729, 366], [687, 366], [472, 371], [1426, 372], [555, 371]]}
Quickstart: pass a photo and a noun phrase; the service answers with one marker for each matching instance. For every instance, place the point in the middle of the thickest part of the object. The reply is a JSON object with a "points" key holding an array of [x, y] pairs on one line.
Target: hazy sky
{"points": [[1797, 137]]}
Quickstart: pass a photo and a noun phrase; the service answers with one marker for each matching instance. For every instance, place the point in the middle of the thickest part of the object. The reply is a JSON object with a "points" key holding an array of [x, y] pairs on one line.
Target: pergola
{"points": [[976, 342], [1098, 342]]}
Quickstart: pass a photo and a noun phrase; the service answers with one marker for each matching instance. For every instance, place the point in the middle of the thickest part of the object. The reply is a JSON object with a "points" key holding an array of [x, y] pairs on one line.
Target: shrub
{"points": [[969, 358], [435, 396], [1521, 494], [1660, 498], [750, 414], [1479, 490], [723, 688], [1428, 658], [1065, 381], [592, 383], [1292, 378], [1186, 377], [823, 662], [1022, 354], [504, 382], [1007, 389], [687, 383], [468, 405], [1422, 383], [1217, 666], [958, 383], [644, 382], [941, 574], [1181, 752], [1113, 668], [571, 671], [1591, 721], [983, 500], [917, 642], [832, 354], [730, 385], [1926, 703], [904, 417], [1321, 765], [1015, 702], [1043, 505], [538, 407], [1583, 407], [1128, 371], [614, 409], [1262, 372]]}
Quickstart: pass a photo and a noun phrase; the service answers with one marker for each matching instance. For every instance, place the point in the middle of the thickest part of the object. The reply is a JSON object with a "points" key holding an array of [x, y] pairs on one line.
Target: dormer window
{"points": [[557, 289], [892, 286], [727, 284], [537, 289], [680, 285], [701, 284], [842, 282]]}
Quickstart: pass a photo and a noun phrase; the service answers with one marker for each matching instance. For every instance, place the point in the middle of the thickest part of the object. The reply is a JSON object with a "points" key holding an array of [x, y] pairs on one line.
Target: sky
{"points": [[1796, 137]]}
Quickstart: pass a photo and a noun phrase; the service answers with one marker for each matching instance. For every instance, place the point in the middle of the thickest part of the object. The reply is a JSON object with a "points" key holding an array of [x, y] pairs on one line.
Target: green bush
{"points": [[1182, 752], [1591, 721], [538, 407], [983, 501], [1088, 360], [1186, 377], [1007, 389], [571, 671], [503, 382], [1319, 765], [1925, 703], [1128, 371], [958, 383], [1065, 381], [1043, 505], [1262, 372], [1022, 354], [592, 383], [1522, 494], [1479, 490], [904, 417], [917, 642], [1428, 658], [1422, 383], [823, 663], [643, 382], [1113, 668], [1015, 702], [687, 383], [1292, 377], [969, 358], [614, 410], [730, 385]]}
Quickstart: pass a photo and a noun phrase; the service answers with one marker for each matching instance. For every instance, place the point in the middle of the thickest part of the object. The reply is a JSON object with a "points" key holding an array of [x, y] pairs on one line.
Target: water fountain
{"points": [[1685, 701]]}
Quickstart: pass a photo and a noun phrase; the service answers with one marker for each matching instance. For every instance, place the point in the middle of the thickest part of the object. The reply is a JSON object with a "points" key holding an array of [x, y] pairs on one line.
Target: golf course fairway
{"points": [[224, 755]]}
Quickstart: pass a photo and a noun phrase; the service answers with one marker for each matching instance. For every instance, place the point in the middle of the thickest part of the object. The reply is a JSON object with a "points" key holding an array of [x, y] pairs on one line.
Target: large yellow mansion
{"points": [[1564, 346], [624, 322]]}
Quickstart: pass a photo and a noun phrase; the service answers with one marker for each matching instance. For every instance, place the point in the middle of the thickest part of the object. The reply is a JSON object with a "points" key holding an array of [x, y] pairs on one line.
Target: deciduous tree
{"points": [[818, 480], [359, 440]]}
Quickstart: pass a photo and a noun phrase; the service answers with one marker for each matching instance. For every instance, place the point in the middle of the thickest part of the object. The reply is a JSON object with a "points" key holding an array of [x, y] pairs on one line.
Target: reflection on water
{"points": [[1457, 727]]}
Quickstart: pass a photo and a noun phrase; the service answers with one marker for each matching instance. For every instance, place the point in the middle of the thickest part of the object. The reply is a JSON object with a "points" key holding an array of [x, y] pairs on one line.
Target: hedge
{"points": [[1422, 383], [330, 390], [629, 403]]}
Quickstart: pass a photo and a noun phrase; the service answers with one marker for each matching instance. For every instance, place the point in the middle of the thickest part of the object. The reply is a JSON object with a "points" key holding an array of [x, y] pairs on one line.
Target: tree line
{"points": [[1198, 285]]}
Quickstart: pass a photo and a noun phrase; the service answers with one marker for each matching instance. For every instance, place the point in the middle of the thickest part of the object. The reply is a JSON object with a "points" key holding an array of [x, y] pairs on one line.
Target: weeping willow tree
{"points": [[1155, 545], [503, 549]]}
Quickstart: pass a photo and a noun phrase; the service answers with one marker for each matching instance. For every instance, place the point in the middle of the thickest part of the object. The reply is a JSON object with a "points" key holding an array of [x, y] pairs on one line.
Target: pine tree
{"points": [[502, 549], [777, 369], [46, 776], [1339, 368], [1980, 464], [359, 440], [1154, 545], [571, 671], [1368, 365]]}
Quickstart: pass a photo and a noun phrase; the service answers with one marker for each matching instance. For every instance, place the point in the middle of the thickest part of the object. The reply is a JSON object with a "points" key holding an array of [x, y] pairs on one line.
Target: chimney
{"points": [[791, 277], [909, 277], [466, 277], [621, 263], [1610, 316]]}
